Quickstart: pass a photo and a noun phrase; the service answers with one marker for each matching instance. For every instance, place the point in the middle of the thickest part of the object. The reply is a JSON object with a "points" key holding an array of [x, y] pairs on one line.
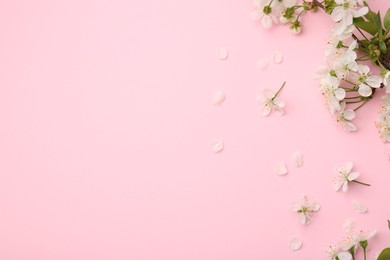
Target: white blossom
{"points": [[305, 209], [344, 176]]}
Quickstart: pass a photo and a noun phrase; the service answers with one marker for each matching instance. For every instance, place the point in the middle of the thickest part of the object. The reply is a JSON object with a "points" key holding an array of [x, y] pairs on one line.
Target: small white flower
{"points": [[365, 81], [346, 10], [270, 101], [344, 176], [296, 27], [344, 116], [265, 12], [335, 253], [305, 208], [361, 237], [383, 120]]}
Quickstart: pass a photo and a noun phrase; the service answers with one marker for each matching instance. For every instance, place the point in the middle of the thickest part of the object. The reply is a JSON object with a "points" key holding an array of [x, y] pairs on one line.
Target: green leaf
{"points": [[369, 27], [370, 15], [384, 255], [378, 22], [386, 20], [383, 47], [388, 223]]}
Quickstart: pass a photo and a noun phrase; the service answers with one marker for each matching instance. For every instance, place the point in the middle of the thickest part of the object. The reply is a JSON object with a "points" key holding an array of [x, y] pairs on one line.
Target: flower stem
{"points": [[362, 34], [352, 102], [352, 97], [280, 89], [365, 256], [362, 183], [360, 105]]}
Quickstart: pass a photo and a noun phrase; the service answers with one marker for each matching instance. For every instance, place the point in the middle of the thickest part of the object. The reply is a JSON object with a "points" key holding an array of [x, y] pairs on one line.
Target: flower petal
{"points": [[263, 64], [297, 159], [348, 167], [360, 208], [344, 256], [219, 98], [337, 185], [281, 168], [223, 53], [218, 146], [349, 225], [345, 186], [278, 57], [364, 90], [353, 176], [303, 218], [295, 244], [349, 114]]}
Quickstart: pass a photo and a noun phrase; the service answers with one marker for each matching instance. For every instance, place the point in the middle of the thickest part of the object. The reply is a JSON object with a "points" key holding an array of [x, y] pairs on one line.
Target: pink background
{"points": [[107, 124]]}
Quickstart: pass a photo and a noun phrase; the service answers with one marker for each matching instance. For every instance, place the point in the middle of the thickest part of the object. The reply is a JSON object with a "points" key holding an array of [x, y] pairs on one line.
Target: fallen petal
{"points": [[219, 98], [349, 225], [360, 208], [278, 57], [281, 169], [218, 146], [263, 64], [295, 244], [297, 159], [223, 53]]}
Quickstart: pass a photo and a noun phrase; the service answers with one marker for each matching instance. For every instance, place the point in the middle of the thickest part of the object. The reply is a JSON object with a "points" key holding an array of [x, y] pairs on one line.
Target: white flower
{"points": [[365, 81], [342, 31], [344, 176], [305, 209], [383, 120], [346, 10], [266, 12], [344, 116], [336, 253], [362, 237], [270, 101], [295, 27], [332, 92], [346, 61]]}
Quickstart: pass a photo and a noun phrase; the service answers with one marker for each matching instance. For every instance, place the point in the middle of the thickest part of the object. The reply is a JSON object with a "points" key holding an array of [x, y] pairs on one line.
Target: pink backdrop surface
{"points": [[107, 124]]}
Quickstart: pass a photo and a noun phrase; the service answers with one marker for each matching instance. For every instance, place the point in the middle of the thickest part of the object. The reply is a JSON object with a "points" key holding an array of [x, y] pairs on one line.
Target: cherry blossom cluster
{"points": [[349, 246], [360, 37], [289, 12]]}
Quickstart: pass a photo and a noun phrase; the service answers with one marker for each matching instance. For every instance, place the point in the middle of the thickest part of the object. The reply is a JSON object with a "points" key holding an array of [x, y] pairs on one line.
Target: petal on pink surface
{"points": [[219, 98], [223, 53], [295, 244], [281, 169], [263, 64], [278, 57], [360, 208], [218, 146]]}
